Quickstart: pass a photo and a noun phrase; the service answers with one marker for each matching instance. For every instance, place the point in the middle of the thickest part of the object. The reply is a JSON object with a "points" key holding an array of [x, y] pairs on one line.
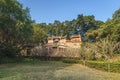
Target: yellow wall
{"points": [[50, 41], [74, 42]]}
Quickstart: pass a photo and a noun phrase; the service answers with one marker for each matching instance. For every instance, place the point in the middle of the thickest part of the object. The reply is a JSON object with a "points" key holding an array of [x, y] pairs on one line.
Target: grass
{"points": [[106, 66], [52, 70], [100, 65]]}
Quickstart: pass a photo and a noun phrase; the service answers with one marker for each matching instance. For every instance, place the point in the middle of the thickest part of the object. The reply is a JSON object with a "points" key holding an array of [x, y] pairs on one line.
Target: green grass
{"points": [[52, 70], [106, 66], [101, 65]]}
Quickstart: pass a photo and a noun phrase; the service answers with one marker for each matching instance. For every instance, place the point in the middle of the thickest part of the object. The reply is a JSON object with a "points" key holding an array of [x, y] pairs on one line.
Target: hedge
{"points": [[101, 65]]}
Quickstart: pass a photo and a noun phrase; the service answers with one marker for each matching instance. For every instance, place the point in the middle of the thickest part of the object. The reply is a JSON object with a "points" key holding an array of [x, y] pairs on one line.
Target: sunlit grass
{"points": [[51, 70]]}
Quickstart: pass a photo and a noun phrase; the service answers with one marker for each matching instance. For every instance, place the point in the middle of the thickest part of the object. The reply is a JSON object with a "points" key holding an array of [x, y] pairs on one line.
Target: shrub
{"points": [[105, 66], [101, 50], [70, 61], [101, 65]]}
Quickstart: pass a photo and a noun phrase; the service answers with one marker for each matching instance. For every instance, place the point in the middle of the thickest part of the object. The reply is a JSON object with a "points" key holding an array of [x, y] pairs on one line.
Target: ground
{"points": [[52, 70]]}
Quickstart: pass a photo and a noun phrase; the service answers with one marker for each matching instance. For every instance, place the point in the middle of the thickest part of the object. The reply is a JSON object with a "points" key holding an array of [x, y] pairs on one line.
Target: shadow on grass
{"points": [[30, 69]]}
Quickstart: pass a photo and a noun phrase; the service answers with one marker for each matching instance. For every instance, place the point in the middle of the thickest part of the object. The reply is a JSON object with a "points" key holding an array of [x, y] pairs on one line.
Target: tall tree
{"points": [[15, 27], [110, 29], [116, 14]]}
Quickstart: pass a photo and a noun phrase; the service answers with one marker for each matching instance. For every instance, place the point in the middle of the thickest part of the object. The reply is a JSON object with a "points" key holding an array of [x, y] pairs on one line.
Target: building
{"points": [[50, 40], [74, 42]]}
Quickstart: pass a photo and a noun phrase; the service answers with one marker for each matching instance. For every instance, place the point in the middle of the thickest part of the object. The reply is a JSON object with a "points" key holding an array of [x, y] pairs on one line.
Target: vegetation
{"points": [[110, 29], [51, 70], [17, 30], [19, 35], [100, 50], [79, 26], [101, 65]]}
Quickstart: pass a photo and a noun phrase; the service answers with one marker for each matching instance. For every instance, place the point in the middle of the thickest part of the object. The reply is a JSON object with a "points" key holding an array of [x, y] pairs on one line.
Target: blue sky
{"points": [[49, 10]]}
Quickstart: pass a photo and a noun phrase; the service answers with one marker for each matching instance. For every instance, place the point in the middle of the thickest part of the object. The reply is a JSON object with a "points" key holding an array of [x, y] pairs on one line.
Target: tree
{"points": [[39, 36], [15, 27], [110, 29], [116, 14]]}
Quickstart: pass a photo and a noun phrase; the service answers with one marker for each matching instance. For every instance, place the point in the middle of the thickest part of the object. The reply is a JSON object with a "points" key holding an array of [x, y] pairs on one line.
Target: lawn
{"points": [[52, 70]]}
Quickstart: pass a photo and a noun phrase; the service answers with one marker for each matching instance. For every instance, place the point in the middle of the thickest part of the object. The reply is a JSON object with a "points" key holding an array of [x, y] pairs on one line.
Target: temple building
{"points": [[57, 41]]}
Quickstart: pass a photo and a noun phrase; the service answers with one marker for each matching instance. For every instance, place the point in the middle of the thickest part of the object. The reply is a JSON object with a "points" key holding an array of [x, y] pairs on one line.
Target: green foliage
{"points": [[52, 70], [16, 29], [68, 28], [39, 35], [105, 66], [70, 61], [100, 50], [92, 36], [111, 29], [5, 60], [116, 14]]}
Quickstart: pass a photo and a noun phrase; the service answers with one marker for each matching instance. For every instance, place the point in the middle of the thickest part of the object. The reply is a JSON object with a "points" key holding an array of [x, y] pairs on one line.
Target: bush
{"points": [[70, 61], [101, 50], [105, 66], [8, 51]]}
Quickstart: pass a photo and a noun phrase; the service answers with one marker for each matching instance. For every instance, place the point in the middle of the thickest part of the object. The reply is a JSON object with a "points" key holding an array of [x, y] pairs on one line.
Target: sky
{"points": [[46, 11]]}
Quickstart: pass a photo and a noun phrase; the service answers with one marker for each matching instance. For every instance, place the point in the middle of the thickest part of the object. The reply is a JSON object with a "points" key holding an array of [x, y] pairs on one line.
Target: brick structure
{"points": [[60, 47], [75, 41]]}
